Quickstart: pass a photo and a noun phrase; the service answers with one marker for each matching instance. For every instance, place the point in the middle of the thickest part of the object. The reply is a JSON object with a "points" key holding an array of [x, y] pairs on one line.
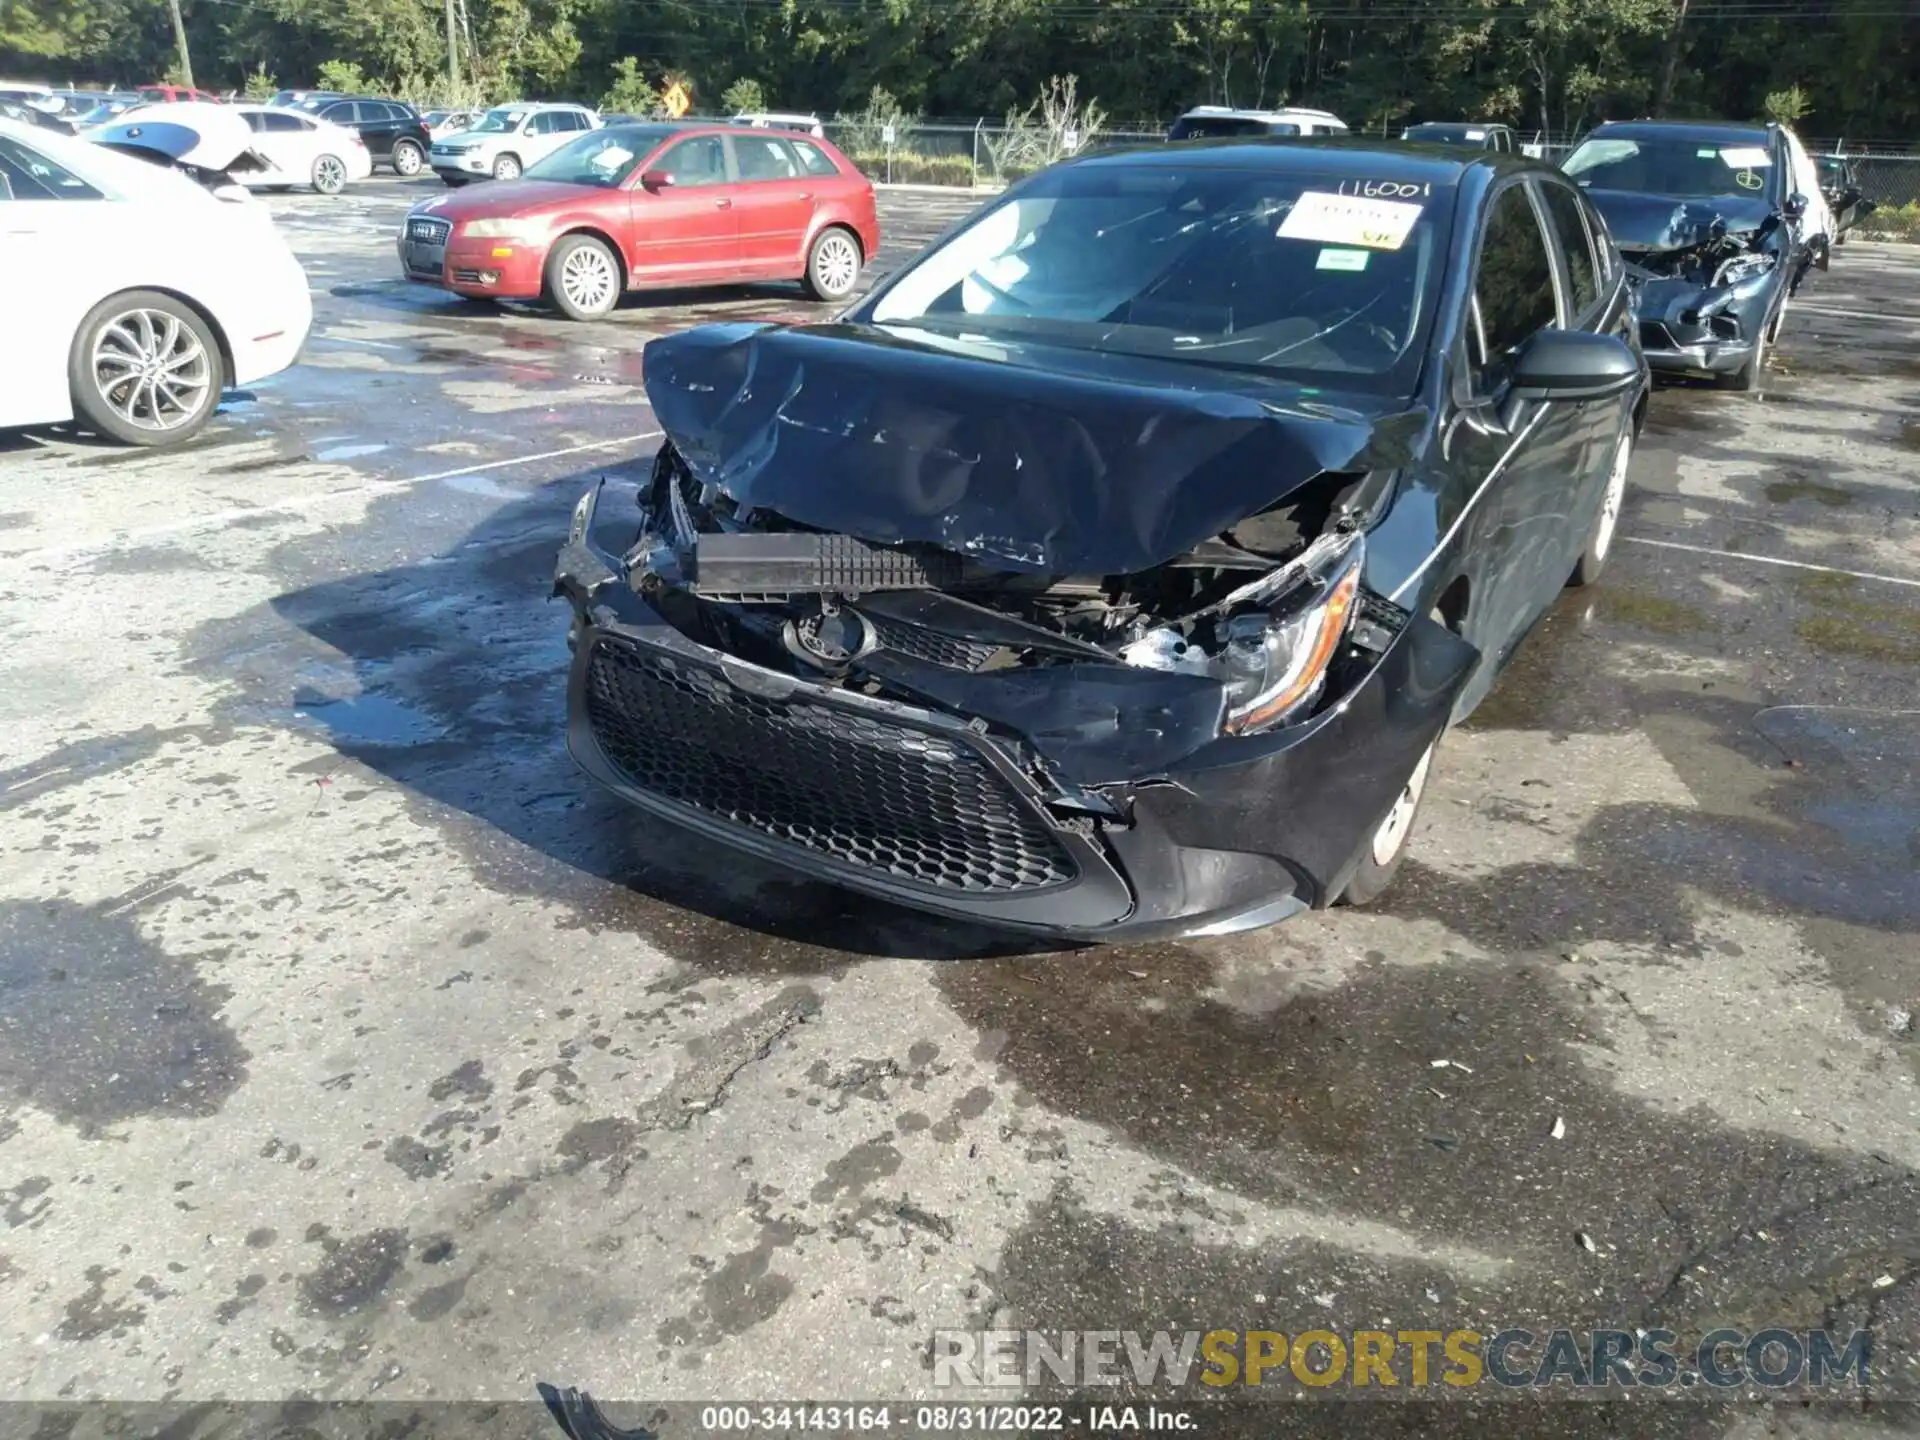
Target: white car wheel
{"points": [[507, 167], [329, 175], [833, 266]]}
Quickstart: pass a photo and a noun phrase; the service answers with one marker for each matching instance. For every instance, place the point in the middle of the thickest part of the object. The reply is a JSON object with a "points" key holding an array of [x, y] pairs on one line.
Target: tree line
{"points": [[1835, 67]]}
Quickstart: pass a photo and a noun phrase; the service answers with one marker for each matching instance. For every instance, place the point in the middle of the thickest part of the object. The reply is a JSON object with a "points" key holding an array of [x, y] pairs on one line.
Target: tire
{"points": [[329, 175], [583, 277], [1387, 847], [408, 158], [144, 370], [1750, 378], [453, 182], [507, 167], [1593, 559], [833, 264]]}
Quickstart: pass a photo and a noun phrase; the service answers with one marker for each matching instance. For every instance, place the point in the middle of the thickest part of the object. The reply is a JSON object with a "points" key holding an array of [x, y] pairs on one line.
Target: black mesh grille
{"points": [[931, 645], [1655, 336], [889, 798]]}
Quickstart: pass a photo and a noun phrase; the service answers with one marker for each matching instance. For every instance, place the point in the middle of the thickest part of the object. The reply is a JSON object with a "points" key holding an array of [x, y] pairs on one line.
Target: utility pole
{"points": [[453, 52], [180, 39], [1663, 96]]}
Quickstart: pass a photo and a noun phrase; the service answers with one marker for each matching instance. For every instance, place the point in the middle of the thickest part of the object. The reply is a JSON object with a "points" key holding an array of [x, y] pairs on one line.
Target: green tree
{"points": [[1787, 106], [742, 97], [629, 94], [260, 85], [343, 75]]}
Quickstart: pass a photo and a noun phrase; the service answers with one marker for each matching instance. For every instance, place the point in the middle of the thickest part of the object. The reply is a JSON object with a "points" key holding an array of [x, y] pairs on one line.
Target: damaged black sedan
{"points": [[1711, 226], [1115, 568]]}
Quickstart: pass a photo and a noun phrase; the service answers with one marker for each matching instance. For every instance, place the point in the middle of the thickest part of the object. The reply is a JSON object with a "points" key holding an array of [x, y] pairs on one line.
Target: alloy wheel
{"points": [[1392, 833], [836, 263], [1610, 506], [329, 175], [150, 369], [587, 278], [506, 168], [406, 159]]}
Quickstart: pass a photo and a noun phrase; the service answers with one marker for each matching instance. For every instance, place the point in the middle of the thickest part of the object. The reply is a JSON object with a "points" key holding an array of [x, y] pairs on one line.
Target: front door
{"points": [[688, 230], [774, 201], [1530, 456]]}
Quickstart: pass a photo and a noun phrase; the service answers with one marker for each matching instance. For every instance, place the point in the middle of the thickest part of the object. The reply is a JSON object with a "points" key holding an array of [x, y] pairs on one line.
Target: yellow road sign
{"points": [[676, 101]]}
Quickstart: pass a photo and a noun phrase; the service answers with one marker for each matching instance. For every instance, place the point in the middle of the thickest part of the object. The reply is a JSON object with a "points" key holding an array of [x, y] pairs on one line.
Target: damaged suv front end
{"points": [[1708, 230]]}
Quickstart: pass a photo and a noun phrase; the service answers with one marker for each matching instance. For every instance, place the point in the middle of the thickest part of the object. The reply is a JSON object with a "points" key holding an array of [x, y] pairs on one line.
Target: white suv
{"points": [[1205, 122], [507, 139]]}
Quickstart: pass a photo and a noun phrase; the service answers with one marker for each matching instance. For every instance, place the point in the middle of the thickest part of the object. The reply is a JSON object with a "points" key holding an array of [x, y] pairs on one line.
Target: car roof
{"points": [[1285, 112], [1717, 130], [1331, 156], [1487, 125]]}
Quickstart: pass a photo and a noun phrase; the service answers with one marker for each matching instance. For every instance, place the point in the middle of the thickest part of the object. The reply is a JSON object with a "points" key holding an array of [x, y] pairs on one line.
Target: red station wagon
{"points": [[649, 206]]}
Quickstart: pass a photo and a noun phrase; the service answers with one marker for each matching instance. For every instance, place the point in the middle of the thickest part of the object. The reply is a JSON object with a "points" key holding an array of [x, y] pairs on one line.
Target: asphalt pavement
{"points": [[352, 1044]]}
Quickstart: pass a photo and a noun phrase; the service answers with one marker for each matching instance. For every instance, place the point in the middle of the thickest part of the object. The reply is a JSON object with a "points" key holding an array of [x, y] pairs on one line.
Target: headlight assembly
{"points": [[1277, 638], [502, 228]]}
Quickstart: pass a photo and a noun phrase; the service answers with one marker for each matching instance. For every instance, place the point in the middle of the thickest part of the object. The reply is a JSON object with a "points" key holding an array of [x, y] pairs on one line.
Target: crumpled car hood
{"points": [[1024, 458], [1660, 222]]}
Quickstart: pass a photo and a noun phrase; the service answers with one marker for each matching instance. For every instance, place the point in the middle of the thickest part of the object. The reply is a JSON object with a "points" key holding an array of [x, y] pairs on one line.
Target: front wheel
{"points": [[1593, 559], [329, 175], [144, 369], [408, 158], [507, 167], [1387, 847], [583, 278], [833, 264]]}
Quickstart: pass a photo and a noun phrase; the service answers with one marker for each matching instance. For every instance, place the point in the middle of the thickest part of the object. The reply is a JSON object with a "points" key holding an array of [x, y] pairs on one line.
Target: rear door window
{"points": [[29, 175], [1570, 227], [764, 157]]}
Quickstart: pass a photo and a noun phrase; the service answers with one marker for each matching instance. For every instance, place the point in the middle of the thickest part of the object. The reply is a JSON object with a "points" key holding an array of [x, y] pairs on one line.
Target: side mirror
{"points": [[1574, 365], [1795, 207], [656, 179]]}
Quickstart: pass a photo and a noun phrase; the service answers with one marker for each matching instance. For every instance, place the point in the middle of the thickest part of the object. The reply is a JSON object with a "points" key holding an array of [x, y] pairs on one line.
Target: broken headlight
{"points": [[1278, 637]]}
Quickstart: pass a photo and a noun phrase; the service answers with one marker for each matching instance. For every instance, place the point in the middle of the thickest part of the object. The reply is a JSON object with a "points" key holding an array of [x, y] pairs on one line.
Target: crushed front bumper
{"points": [[943, 812], [1689, 330]]}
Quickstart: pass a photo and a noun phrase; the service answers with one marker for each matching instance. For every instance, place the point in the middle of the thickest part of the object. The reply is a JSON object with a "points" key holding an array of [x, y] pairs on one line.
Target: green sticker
{"points": [[1341, 260], [1707, 154]]}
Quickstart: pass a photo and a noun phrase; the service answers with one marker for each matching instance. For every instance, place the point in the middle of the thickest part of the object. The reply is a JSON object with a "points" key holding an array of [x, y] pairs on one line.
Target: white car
{"points": [[133, 294], [303, 150], [297, 149], [1207, 121], [442, 123], [507, 139]]}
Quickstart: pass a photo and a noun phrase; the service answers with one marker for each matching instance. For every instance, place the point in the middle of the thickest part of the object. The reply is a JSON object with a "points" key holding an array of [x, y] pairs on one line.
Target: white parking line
{"points": [[1855, 314], [1771, 560], [213, 519]]}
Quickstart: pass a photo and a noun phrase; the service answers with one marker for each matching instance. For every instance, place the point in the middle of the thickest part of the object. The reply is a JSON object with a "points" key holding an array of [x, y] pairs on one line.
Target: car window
{"points": [[29, 175], [545, 123], [579, 120], [340, 113], [255, 121], [814, 160], [283, 123], [1513, 281], [1563, 214], [764, 157], [1240, 269], [701, 160]]}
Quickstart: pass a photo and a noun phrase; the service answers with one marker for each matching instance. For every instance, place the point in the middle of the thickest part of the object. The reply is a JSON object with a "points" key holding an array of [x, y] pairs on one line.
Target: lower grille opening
{"points": [[908, 803]]}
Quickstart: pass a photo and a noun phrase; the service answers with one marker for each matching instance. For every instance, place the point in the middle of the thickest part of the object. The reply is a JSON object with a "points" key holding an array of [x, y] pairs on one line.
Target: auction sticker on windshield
{"points": [[1745, 157], [1349, 220], [1331, 259]]}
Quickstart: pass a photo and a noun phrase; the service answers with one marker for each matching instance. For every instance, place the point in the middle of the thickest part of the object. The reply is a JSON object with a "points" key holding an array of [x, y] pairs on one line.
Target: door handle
{"points": [[806, 195], [723, 204]]}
